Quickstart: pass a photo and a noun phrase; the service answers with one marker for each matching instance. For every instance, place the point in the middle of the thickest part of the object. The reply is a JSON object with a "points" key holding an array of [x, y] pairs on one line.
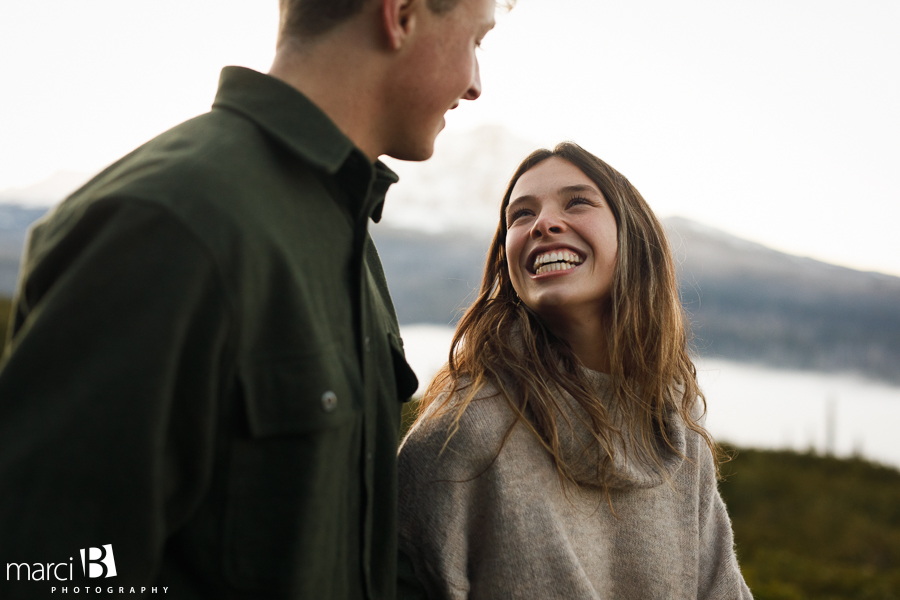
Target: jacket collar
{"points": [[287, 115]]}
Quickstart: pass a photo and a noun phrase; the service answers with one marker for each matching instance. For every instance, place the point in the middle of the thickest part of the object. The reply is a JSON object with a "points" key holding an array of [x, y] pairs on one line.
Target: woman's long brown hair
{"points": [[499, 342]]}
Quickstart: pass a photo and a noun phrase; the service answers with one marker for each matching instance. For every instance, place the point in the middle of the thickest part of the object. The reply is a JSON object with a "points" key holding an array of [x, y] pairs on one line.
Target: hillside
{"points": [[812, 527]]}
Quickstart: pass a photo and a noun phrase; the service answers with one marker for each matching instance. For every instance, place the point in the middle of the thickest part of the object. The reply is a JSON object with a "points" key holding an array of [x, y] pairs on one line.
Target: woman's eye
{"points": [[516, 214], [579, 200]]}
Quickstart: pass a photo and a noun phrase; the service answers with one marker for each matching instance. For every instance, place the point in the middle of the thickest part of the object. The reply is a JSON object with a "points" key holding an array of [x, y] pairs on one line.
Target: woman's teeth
{"points": [[558, 260], [560, 266]]}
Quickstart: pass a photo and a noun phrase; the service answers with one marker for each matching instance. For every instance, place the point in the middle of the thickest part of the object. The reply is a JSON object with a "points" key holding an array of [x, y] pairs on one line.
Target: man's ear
{"points": [[399, 17]]}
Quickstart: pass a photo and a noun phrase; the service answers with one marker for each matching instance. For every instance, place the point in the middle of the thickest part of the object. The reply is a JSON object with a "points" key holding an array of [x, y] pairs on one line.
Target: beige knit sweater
{"points": [[512, 532]]}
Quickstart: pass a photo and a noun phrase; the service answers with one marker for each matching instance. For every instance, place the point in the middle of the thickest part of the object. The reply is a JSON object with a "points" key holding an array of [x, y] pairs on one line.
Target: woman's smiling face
{"points": [[561, 242]]}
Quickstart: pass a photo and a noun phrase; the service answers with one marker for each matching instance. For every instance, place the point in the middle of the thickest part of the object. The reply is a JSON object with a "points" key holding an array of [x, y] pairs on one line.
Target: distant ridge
{"points": [[746, 301], [749, 302], [14, 222]]}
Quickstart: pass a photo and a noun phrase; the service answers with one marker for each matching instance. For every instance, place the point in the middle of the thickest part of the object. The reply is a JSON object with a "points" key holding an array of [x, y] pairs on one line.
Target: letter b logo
{"points": [[98, 562]]}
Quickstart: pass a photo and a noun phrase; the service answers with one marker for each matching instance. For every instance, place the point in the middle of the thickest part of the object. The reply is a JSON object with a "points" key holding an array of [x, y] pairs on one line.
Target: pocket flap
{"points": [[407, 382]]}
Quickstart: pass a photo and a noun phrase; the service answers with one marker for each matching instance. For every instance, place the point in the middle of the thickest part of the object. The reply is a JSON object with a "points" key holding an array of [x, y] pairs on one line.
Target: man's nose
{"points": [[475, 87]]}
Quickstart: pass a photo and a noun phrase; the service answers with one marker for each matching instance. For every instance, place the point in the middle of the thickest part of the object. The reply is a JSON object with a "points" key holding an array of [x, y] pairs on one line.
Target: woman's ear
{"points": [[399, 20]]}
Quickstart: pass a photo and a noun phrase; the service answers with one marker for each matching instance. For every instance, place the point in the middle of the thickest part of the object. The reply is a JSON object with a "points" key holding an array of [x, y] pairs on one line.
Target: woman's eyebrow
{"points": [[581, 187], [567, 189], [518, 200]]}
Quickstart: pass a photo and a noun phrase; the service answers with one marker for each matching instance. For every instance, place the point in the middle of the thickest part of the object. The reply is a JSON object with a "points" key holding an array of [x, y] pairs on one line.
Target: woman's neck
{"points": [[587, 338]]}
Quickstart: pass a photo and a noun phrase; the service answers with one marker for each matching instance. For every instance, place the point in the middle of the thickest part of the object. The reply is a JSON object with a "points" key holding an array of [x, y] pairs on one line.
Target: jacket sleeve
{"points": [[108, 391], [719, 576]]}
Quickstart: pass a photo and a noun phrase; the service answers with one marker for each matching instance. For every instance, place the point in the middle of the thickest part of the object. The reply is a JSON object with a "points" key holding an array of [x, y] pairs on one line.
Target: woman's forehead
{"points": [[551, 178]]}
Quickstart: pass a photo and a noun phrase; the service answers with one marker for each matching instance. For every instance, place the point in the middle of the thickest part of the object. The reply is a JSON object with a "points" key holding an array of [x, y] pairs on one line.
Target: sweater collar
{"points": [[631, 467]]}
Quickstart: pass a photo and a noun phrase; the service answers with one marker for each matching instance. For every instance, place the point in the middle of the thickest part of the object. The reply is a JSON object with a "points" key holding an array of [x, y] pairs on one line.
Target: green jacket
{"points": [[205, 369]]}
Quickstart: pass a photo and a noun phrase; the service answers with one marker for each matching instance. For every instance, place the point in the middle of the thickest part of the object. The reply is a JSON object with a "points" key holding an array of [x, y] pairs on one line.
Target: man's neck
{"points": [[342, 82]]}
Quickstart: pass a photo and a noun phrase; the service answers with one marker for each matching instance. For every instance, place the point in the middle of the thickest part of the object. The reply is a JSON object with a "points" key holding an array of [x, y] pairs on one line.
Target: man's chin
{"points": [[413, 152]]}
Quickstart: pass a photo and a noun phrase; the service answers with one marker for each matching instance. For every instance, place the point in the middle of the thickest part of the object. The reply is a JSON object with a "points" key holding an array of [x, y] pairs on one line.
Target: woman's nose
{"points": [[547, 223]]}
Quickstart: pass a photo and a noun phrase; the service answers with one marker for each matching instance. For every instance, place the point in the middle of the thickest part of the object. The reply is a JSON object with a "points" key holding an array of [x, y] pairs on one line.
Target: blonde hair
{"points": [[312, 18], [501, 342]]}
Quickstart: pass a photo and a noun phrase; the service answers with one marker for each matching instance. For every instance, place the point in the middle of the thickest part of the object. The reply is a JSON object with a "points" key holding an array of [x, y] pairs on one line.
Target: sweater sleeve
{"points": [[108, 391], [448, 500], [434, 518], [719, 577]]}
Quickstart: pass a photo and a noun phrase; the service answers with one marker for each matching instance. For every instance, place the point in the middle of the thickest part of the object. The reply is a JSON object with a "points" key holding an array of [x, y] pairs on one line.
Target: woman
{"points": [[560, 453]]}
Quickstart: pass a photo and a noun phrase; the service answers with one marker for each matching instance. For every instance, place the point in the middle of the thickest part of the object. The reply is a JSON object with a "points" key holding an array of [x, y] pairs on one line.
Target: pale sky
{"points": [[776, 121]]}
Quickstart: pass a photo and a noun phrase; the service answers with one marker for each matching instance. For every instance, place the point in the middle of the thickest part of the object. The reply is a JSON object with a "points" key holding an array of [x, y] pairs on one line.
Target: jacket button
{"points": [[366, 344], [329, 401]]}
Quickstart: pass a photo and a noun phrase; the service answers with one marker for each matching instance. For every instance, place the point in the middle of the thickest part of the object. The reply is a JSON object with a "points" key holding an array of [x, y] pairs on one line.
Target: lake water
{"points": [[750, 405]]}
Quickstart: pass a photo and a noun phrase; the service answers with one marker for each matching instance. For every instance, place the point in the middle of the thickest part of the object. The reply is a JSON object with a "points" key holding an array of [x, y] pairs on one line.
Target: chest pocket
{"points": [[300, 396], [294, 479]]}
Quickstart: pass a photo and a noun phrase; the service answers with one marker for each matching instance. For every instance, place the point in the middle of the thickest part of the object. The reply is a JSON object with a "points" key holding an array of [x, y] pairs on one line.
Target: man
{"points": [[201, 391]]}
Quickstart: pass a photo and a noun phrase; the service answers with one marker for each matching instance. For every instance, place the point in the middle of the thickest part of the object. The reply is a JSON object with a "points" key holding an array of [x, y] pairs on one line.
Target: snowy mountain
{"points": [[460, 187], [45, 193], [746, 301]]}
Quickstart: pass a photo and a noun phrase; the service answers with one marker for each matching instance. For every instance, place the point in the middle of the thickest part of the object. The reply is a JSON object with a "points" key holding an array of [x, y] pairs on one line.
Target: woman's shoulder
{"points": [[470, 436]]}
